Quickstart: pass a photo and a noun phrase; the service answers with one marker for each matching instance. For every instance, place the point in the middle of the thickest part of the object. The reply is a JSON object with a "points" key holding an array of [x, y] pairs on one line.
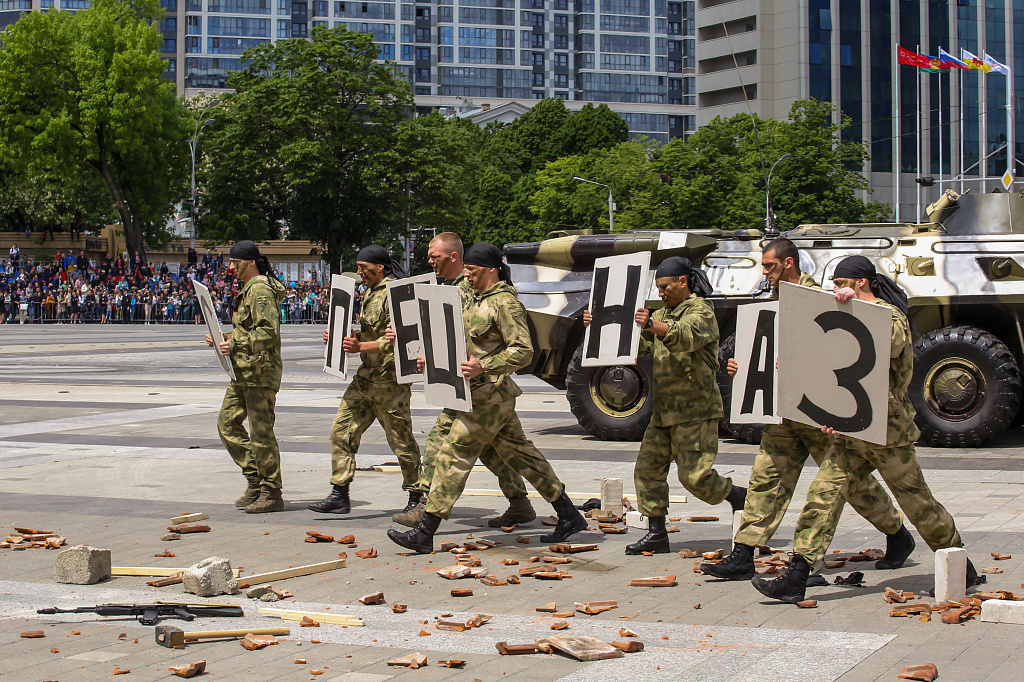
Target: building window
{"points": [[444, 14], [298, 30], [422, 91], [282, 28], [168, 25], [561, 42], [537, 39], [561, 60], [538, 80], [422, 12], [422, 75], [195, 26], [192, 45], [445, 55], [423, 54], [423, 35], [284, 7], [561, 80], [406, 53], [387, 52], [446, 35], [172, 65], [538, 59], [170, 45]]}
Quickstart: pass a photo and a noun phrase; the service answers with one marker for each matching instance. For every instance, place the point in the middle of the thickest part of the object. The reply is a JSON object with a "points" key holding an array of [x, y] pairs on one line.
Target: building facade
{"points": [[844, 51]]}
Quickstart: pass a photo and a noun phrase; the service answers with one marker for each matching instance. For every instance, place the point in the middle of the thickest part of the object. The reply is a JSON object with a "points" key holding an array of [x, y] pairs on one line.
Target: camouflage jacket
{"points": [[805, 281], [497, 336], [375, 317], [901, 428], [256, 333], [685, 363]]}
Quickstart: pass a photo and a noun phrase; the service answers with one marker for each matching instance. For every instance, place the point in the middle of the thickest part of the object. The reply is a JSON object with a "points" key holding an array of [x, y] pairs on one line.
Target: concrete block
{"points": [[82, 565], [950, 574], [210, 577], [635, 519], [611, 495], [1002, 611], [737, 519]]}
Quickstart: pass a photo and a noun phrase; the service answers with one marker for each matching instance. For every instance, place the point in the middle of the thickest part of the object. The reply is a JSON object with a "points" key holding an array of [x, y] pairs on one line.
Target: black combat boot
{"points": [[898, 547], [972, 576], [335, 503], [790, 585], [656, 540], [739, 565], [421, 538], [413, 512], [736, 497], [252, 491], [570, 521], [415, 497], [519, 511]]}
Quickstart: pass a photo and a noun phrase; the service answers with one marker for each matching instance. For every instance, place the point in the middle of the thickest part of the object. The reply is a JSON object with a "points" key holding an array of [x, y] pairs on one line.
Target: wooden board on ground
{"points": [[330, 618], [154, 571], [674, 499], [189, 518], [260, 578]]}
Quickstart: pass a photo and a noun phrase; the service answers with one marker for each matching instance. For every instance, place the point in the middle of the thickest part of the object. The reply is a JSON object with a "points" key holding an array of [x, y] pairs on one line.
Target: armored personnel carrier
{"points": [[963, 271]]}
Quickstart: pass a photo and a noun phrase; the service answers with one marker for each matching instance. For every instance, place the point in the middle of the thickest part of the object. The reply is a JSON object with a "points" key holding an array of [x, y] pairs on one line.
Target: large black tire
{"points": [[745, 433], [613, 403], [966, 386]]}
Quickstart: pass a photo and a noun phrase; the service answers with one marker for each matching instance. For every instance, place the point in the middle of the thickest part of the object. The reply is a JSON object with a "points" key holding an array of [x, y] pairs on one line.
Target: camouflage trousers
{"points": [[784, 450], [510, 483], [363, 402], [693, 447], [855, 459], [255, 451], [490, 424]]}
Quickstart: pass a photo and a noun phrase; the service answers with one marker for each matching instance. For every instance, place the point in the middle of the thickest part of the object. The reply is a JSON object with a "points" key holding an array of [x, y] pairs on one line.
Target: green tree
{"points": [[715, 180], [302, 140], [84, 91], [592, 127]]}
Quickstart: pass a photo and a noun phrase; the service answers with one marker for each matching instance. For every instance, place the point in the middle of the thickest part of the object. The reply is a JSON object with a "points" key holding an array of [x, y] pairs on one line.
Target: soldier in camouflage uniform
{"points": [[783, 452], [374, 392], [444, 255], [852, 458], [498, 344], [254, 346], [683, 337]]}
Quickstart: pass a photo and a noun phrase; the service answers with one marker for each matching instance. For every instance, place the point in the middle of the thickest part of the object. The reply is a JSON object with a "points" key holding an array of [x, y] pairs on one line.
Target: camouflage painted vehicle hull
{"points": [[963, 272]]}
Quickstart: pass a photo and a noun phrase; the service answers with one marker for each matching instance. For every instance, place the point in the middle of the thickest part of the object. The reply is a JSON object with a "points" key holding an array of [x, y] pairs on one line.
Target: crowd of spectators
{"points": [[72, 289]]}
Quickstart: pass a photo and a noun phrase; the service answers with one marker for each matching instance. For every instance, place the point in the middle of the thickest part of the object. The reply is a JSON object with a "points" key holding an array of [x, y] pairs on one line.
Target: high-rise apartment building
{"points": [[844, 51]]}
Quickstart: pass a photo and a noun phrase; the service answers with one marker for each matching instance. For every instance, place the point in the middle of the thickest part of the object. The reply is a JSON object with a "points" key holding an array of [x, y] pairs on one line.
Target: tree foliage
{"points": [[83, 104]]}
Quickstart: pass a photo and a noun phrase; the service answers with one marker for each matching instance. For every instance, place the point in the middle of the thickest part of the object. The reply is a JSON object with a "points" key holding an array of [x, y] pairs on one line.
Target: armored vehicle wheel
{"points": [[966, 386], [745, 433], [613, 403]]}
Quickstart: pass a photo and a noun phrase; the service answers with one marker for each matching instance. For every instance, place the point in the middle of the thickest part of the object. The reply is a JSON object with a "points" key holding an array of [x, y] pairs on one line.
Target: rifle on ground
{"points": [[149, 614]]}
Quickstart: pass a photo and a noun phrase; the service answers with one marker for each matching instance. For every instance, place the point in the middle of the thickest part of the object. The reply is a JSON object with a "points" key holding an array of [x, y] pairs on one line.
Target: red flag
{"points": [[912, 58]]}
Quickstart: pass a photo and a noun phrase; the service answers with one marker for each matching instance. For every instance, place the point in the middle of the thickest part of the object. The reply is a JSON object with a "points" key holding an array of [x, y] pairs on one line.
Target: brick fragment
{"points": [[894, 596], [713, 556], [955, 616], [624, 632], [564, 614], [447, 546], [33, 634], [569, 548], [183, 528], [424, 633], [655, 581], [1001, 557], [689, 553], [462, 592], [493, 581], [923, 673], [55, 543], [190, 670], [592, 607], [300, 661], [808, 604], [701, 519], [281, 592], [121, 671], [629, 647], [308, 622], [347, 540], [559, 625], [523, 539], [370, 599], [468, 560], [909, 610], [612, 530], [399, 608], [506, 649], [671, 529], [165, 554], [551, 575], [253, 642], [550, 521], [513, 580], [508, 529], [412, 661], [531, 570], [454, 572], [30, 531], [170, 536], [164, 582], [556, 560], [509, 562], [367, 553], [550, 607], [452, 663]]}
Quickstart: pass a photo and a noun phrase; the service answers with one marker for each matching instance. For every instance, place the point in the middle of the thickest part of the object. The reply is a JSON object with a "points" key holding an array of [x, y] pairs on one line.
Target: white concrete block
{"points": [[82, 565], [611, 495], [210, 577], [1002, 611], [635, 519], [737, 519], [950, 574]]}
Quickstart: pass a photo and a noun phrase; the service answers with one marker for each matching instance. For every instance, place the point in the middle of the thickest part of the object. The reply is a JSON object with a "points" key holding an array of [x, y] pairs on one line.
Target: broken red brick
{"points": [[76, 632], [447, 546], [462, 592], [531, 570], [30, 531], [513, 580], [121, 671], [55, 651], [190, 670], [282, 593], [367, 553], [54, 543], [924, 673], [656, 581], [375, 598], [808, 604], [523, 539], [628, 647], [592, 607], [493, 581], [689, 553], [559, 625], [894, 596], [901, 610], [182, 528], [454, 572], [713, 556], [33, 634], [166, 553], [623, 632], [424, 633], [412, 661], [551, 575], [506, 649], [452, 663], [399, 608], [170, 536], [612, 530], [1001, 557], [317, 672], [300, 661], [308, 622], [550, 607], [347, 540], [509, 562], [955, 616], [568, 548], [700, 519], [253, 642], [835, 564], [556, 560]]}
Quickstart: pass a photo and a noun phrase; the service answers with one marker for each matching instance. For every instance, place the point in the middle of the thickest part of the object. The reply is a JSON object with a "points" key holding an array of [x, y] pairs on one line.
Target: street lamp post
{"points": [[611, 202], [192, 146], [769, 215]]}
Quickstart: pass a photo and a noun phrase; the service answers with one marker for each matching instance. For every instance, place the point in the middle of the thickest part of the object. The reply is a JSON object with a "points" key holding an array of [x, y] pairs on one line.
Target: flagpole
{"points": [[960, 109], [940, 134], [899, 137], [917, 217], [1009, 130], [983, 164]]}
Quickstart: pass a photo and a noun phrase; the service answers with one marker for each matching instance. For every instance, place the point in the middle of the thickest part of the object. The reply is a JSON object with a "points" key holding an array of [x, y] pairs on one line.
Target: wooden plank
{"points": [[673, 499], [330, 618], [155, 571], [261, 578], [189, 518]]}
